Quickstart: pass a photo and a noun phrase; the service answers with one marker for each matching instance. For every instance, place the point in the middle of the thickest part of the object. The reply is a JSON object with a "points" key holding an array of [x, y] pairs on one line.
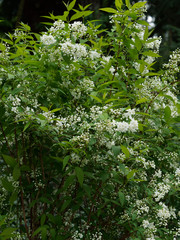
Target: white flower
{"points": [[94, 54], [158, 174], [57, 27], [75, 51], [133, 126], [122, 126], [163, 213], [145, 223], [129, 113], [47, 39], [78, 29], [177, 172], [59, 24], [112, 70], [160, 191], [106, 59], [110, 144], [87, 85]]}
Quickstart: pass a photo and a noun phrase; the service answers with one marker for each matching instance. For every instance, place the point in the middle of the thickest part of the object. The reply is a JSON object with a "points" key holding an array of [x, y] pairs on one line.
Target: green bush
{"points": [[89, 132]]}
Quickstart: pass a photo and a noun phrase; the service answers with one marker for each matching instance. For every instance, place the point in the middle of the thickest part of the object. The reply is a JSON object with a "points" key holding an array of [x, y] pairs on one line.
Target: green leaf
{"points": [[65, 4], [87, 13], [92, 141], [87, 6], [104, 116], [142, 66], [141, 127], [81, 7], [56, 110], [16, 172], [142, 22], [142, 100], [45, 109], [138, 180], [41, 117], [25, 26], [44, 233], [71, 5], [118, 4], [13, 197], [96, 98], [87, 189], [66, 13], [121, 197], [2, 220], [77, 15], [43, 219], [122, 167], [104, 176], [53, 233], [41, 229], [116, 150], [128, 5], [138, 5], [2, 47], [7, 185], [65, 204], [142, 113], [146, 34], [131, 173], [112, 100], [125, 151], [68, 181], [65, 161], [139, 81], [8, 231], [152, 74], [151, 54], [138, 43], [26, 126], [80, 175], [167, 113], [9, 160], [109, 10], [38, 230]]}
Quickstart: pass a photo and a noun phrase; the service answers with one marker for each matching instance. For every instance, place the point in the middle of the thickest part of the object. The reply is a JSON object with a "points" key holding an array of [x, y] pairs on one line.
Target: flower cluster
{"points": [[47, 39]]}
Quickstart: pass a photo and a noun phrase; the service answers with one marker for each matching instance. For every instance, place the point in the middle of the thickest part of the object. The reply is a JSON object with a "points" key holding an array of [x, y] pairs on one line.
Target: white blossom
{"points": [[47, 39]]}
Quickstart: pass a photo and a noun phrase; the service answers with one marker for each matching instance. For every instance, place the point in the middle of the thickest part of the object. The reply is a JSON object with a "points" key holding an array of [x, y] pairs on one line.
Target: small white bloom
{"points": [[94, 55], [177, 172], [133, 126], [47, 39], [122, 126]]}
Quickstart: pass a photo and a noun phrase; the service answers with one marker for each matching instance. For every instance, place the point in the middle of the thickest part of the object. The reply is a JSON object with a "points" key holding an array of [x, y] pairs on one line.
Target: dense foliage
{"points": [[89, 137]]}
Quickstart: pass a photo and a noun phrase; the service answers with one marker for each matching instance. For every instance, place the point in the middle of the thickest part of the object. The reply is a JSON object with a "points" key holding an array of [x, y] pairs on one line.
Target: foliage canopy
{"points": [[89, 135]]}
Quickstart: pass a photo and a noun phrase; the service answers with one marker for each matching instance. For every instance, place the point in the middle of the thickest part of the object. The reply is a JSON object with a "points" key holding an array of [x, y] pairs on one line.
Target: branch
{"points": [[1, 126], [23, 209]]}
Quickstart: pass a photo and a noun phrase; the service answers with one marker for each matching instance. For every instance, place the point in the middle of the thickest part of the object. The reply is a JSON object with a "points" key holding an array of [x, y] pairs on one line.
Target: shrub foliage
{"points": [[89, 132]]}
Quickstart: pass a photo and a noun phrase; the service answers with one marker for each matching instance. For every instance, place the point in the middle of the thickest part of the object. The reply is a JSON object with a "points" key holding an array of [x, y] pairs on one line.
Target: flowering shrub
{"points": [[89, 135]]}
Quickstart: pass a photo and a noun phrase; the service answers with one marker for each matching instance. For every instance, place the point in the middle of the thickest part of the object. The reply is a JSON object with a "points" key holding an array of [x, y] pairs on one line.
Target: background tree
{"points": [[167, 23]]}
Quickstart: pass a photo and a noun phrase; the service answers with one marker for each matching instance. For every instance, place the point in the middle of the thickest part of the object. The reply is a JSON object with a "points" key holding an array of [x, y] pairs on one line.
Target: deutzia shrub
{"points": [[89, 131]]}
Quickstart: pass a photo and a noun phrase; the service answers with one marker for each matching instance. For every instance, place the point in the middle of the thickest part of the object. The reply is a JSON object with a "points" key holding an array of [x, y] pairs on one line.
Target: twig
{"points": [[23, 209], [6, 140]]}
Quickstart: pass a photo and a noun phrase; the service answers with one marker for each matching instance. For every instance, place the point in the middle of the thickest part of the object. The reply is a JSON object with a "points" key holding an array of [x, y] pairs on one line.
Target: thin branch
{"points": [[23, 209], [1, 126]]}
